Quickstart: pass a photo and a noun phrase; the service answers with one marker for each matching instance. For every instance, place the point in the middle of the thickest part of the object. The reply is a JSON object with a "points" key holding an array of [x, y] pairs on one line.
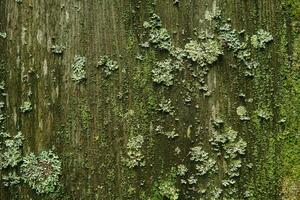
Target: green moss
{"points": [[41, 172], [78, 67]]}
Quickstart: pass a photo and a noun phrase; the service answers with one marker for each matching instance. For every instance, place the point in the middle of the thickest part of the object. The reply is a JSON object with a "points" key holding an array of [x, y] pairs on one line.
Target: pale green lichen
{"points": [[11, 154], [78, 68], [181, 170], [162, 73], [11, 179], [205, 52], [204, 163], [165, 106], [108, 66], [26, 107], [260, 39], [231, 38], [135, 157], [58, 49], [41, 172], [158, 36], [19, 1], [168, 190], [242, 113], [170, 134], [3, 35]]}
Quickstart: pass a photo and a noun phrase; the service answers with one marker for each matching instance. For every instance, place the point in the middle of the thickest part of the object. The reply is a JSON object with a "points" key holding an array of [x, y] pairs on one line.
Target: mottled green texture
{"points": [[41, 172], [95, 126]]}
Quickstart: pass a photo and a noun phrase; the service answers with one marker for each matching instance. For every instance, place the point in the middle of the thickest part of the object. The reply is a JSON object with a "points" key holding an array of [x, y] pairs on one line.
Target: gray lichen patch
{"points": [[242, 113], [231, 38], [204, 164], [260, 39], [12, 178], [78, 68], [135, 157], [158, 36], [26, 107], [108, 66], [165, 106], [58, 49], [41, 172], [3, 35], [163, 72], [205, 52], [11, 153], [169, 134]]}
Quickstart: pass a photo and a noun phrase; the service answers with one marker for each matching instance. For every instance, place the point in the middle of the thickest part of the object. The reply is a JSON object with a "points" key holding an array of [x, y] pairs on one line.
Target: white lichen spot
{"points": [[3, 35], [26, 107], [78, 68]]}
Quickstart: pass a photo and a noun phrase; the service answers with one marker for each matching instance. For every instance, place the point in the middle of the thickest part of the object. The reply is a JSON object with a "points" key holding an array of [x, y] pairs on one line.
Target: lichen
{"points": [[231, 38], [168, 190], [3, 35], [163, 72], [41, 172], [11, 154], [205, 52], [204, 163], [78, 68], [181, 170], [260, 39], [108, 66], [158, 36], [11, 179], [170, 134], [26, 107], [242, 113], [165, 106], [58, 49], [135, 157]]}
